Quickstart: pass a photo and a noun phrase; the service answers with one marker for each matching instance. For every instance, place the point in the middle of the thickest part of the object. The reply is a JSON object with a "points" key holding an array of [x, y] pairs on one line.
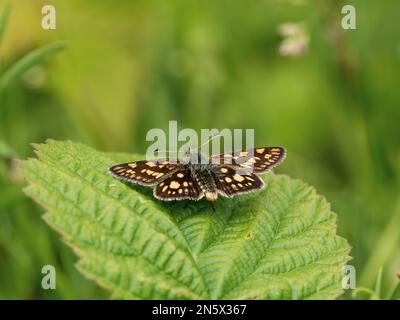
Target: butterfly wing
{"points": [[145, 172], [231, 182], [258, 160], [178, 186]]}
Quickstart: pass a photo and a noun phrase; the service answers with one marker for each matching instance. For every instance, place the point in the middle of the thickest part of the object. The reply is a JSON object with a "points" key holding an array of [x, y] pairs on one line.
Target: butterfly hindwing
{"points": [[144, 172], [230, 181], [178, 186], [258, 160]]}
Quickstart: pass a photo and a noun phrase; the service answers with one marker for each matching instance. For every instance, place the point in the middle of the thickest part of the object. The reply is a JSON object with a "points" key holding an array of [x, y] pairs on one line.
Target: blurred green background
{"points": [[329, 95]]}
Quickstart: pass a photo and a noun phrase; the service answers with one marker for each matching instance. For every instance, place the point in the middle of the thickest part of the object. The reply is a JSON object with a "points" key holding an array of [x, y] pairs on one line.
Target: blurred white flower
{"points": [[295, 39]]}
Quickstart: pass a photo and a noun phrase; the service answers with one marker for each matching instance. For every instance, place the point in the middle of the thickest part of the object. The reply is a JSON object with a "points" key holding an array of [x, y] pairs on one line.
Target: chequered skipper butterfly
{"points": [[227, 174]]}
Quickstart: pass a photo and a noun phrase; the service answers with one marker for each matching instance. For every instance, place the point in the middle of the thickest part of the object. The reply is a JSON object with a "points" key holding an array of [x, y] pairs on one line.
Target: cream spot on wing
{"points": [[249, 178], [267, 156], [276, 149], [132, 165], [238, 177], [243, 153], [180, 191], [224, 170], [159, 175], [174, 185], [180, 175], [185, 184], [143, 170], [150, 172], [165, 188], [260, 150], [227, 179], [151, 164]]}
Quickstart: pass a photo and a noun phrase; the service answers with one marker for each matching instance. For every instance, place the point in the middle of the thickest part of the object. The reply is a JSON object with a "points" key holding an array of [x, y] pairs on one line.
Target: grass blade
{"points": [[28, 61], [3, 21]]}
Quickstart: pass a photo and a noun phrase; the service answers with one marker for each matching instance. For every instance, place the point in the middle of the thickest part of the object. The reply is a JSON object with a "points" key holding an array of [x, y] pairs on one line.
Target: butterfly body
{"points": [[198, 176], [204, 176]]}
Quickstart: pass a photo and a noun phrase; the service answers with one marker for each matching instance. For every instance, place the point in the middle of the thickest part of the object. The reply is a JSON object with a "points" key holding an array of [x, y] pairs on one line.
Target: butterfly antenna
{"points": [[212, 138], [165, 151]]}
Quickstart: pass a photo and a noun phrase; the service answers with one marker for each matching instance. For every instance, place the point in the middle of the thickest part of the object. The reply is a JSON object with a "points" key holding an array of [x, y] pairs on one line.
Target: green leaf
{"points": [[279, 243]]}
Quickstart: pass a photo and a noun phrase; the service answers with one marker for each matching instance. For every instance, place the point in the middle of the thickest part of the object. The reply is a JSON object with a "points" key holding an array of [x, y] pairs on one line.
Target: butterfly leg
{"points": [[212, 206], [186, 204]]}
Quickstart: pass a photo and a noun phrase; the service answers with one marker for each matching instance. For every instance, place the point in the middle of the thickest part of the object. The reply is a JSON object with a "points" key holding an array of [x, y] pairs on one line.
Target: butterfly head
{"points": [[195, 158]]}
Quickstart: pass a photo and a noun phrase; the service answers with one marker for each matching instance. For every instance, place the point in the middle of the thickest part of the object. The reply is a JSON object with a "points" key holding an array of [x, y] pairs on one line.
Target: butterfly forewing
{"points": [[233, 173], [258, 159], [145, 172], [180, 185], [230, 181]]}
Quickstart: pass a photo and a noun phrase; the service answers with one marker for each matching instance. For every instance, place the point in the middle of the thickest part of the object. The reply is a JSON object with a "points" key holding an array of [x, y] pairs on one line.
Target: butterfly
{"points": [[197, 176]]}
